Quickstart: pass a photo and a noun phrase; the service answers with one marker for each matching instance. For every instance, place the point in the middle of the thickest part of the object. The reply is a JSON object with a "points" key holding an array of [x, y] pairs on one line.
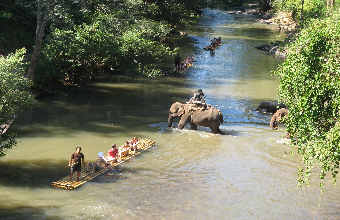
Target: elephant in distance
{"points": [[271, 106]]}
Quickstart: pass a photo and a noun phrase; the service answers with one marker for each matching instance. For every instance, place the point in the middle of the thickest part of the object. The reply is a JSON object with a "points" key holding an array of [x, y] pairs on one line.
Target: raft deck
{"points": [[84, 177], [212, 48]]}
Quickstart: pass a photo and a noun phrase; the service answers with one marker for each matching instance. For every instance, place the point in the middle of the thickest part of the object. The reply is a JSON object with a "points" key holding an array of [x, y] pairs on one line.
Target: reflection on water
{"points": [[188, 174]]}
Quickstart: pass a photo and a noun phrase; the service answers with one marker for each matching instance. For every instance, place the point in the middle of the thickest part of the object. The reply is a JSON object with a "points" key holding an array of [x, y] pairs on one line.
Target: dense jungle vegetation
{"points": [[67, 42]]}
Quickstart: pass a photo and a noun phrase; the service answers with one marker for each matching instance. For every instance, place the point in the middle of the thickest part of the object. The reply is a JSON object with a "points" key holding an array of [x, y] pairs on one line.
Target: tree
{"points": [[110, 39], [301, 10], [14, 93], [17, 25], [310, 86], [177, 12], [46, 10]]}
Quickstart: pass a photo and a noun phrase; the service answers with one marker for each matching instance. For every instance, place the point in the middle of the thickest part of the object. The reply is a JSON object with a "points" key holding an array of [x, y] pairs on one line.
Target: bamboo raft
{"points": [[217, 44], [183, 70], [84, 177], [186, 66], [211, 48]]}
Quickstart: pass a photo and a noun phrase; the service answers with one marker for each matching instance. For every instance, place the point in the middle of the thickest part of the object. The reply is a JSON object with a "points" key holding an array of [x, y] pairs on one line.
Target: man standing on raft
{"points": [[76, 163], [178, 63]]}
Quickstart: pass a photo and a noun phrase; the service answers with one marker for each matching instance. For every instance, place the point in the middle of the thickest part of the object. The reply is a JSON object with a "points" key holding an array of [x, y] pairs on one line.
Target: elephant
{"points": [[209, 117], [271, 106], [277, 117]]}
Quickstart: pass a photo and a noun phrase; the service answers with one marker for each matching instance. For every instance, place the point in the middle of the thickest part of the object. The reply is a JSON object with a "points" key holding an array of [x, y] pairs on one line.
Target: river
{"points": [[246, 173]]}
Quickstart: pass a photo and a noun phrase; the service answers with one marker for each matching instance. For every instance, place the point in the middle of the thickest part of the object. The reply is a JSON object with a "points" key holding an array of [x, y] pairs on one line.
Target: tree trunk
{"points": [[301, 18], [41, 24], [170, 119]]}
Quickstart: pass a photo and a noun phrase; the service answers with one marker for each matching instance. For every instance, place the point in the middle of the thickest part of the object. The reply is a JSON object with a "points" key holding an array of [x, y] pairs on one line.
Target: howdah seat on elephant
{"points": [[197, 106], [208, 117]]}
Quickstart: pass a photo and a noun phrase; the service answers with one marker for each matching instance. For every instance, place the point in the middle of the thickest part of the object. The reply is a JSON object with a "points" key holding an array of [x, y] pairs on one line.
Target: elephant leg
{"points": [[170, 119], [184, 120], [193, 126], [215, 129]]}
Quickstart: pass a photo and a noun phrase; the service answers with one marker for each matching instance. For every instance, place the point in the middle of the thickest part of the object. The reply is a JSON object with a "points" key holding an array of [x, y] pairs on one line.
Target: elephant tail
{"points": [[221, 117]]}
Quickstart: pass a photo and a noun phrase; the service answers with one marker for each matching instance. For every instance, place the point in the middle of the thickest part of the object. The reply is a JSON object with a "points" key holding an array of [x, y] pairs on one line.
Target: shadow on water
{"points": [[31, 174], [37, 175], [41, 173], [25, 212], [103, 107]]}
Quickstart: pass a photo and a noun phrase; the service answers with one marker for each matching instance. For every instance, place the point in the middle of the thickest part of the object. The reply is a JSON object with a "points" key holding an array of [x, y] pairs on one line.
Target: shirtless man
{"points": [[75, 163]]}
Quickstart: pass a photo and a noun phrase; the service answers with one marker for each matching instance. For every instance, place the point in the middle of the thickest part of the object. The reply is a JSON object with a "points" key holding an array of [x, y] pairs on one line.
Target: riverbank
{"points": [[284, 22]]}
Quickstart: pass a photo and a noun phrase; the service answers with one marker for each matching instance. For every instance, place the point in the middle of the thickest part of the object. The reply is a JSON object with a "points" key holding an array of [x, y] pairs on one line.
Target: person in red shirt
{"points": [[112, 154]]}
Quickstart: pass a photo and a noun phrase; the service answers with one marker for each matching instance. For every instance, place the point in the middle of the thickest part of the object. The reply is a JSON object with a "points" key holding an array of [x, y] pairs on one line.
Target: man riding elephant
{"points": [[199, 96], [210, 117]]}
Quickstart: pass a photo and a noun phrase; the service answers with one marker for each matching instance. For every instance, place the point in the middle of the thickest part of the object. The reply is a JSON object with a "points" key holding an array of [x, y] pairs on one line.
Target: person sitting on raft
{"points": [[183, 65], [188, 61], [112, 154], [124, 149], [219, 40], [214, 42], [133, 144], [96, 165]]}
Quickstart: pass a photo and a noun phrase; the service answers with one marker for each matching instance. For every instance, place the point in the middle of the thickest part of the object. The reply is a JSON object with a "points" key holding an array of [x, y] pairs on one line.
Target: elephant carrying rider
{"points": [[198, 101]]}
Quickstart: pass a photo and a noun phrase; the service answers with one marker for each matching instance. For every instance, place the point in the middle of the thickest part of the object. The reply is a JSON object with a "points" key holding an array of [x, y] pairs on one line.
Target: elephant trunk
{"points": [[273, 123], [170, 119], [221, 117]]}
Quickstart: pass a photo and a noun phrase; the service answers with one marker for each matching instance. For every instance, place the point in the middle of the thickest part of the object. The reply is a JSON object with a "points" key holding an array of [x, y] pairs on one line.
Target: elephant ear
{"points": [[181, 110]]}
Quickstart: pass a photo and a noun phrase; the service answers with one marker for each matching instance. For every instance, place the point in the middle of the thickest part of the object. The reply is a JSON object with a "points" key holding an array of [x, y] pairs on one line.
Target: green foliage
{"points": [[86, 38], [230, 3], [310, 85], [14, 93], [107, 42], [176, 12], [265, 5], [311, 8], [17, 25]]}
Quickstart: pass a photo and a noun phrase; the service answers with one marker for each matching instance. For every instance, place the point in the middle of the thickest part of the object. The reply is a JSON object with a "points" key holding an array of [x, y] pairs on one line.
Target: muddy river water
{"points": [[244, 174]]}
